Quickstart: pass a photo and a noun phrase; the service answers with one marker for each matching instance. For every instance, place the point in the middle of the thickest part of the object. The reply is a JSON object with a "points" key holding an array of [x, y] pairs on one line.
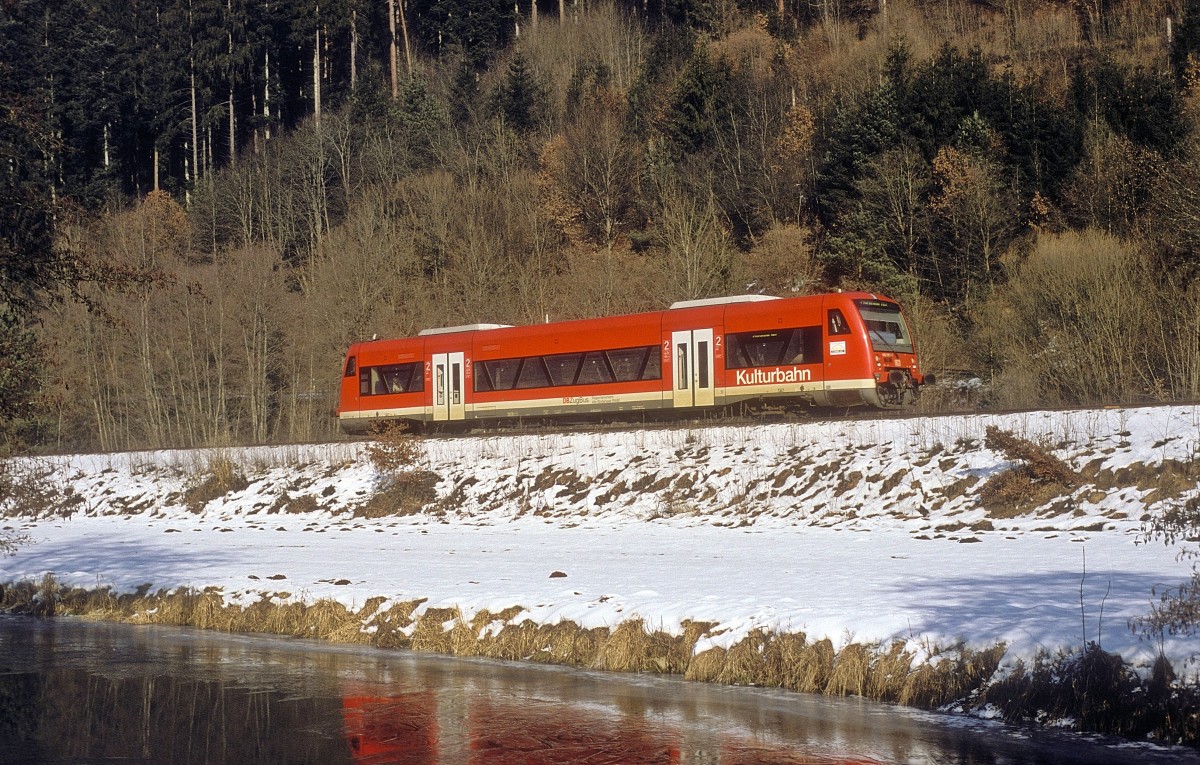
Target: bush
{"points": [[1074, 324], [1178, 609], [404, 487], [218, 477], [1037, 477]]}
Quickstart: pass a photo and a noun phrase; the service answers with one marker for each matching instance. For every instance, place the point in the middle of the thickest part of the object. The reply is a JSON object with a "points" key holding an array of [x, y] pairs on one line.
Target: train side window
{"points": [[804, 347], [765, 349], [503, 372], [403, 378], [735, 354], [533, 374], [594, 369], [483, 380], [627, 363], [653, 367], [393, 378], [350, 367], [563, 367], [837, 322], [801, 345]]}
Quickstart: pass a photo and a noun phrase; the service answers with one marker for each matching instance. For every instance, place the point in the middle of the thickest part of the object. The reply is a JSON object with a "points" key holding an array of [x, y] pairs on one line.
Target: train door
{"points": [[692, 368], [449, 387]]}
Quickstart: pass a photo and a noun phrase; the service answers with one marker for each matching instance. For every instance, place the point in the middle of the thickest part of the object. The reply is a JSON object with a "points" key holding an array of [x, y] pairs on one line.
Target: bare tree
{"points": [[694, 242]]}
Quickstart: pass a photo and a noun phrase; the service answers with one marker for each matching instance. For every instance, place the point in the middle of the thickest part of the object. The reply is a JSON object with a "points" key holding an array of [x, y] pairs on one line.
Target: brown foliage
{"points": [[405, 488], [782, 263], [220, 476], [1038, 477]]}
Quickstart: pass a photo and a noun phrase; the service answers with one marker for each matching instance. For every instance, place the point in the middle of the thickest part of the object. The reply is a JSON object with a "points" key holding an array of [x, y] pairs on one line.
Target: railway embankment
{"points": [[995, 565]]}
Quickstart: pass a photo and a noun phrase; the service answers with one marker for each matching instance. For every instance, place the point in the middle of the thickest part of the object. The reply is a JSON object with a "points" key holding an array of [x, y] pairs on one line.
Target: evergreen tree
{"points": [[28, 262], [861, 130], [478, 28], [1185, 47], [1146, 108], [690, 121], [520, 98], [423, 120]]}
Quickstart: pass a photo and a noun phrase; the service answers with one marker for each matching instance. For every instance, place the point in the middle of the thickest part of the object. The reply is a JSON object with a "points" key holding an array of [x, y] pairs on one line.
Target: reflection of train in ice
{"points": [[843, 349], [388, 729], [414, 729]]}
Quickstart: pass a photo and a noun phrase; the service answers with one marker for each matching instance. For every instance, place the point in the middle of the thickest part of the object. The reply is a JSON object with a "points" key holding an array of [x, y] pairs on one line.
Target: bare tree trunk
{"points": [[392, 49], [562, 11], [533, 14], [232, 119], [407, 48], [195, 173], [317, 79], [267, 94], [353, 49], [232, 131]]}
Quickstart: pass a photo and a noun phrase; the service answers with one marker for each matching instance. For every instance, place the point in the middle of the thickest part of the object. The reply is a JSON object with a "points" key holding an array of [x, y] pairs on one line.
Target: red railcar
{"points": [[842, 349]]}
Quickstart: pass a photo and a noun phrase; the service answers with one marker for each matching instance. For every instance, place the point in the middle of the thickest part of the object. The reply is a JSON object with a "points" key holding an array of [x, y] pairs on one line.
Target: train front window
{"points": [[885, 326]]}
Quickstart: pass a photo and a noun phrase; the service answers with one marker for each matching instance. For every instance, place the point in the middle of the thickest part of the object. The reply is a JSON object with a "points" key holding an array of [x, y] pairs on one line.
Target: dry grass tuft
{"points": [[431, 633], [464, 641], [405, 494], [218, 477], [954, 677], [889, 673], [516, 641], [630, 648], [1038, 477], [706, 666], [850, 673], [329, 620], [815, 667], [784, 660], [744, 662], [390, 624], [568, 643]]}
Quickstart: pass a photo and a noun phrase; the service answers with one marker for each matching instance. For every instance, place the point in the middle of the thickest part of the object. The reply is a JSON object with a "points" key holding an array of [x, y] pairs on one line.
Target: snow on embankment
{"points": [[860, 532]]}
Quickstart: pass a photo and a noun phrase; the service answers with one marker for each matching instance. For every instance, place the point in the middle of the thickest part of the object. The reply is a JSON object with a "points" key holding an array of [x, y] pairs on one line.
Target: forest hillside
{"points": [[203, 202]]}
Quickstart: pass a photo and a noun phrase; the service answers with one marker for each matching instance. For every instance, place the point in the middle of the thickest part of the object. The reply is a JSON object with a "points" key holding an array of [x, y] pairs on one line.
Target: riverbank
{"points": [[925, 561]]}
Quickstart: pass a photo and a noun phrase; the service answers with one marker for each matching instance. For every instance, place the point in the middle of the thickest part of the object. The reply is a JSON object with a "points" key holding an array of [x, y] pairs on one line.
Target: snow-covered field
{"points": [[860, 531]]}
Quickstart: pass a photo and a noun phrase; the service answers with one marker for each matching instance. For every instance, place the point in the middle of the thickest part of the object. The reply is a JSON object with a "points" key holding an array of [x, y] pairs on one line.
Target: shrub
{"points": [[218, 477], [404, 487], [1038, 477], [1073, 323]]}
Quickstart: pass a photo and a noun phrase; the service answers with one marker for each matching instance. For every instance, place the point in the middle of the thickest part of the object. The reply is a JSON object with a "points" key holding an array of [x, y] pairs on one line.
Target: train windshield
{"points": [[886, 326]]}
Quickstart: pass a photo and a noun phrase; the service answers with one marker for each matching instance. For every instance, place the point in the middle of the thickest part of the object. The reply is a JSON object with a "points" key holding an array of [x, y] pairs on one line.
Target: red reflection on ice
{"points": [[753, 755], [508, 734], [392, 729]]}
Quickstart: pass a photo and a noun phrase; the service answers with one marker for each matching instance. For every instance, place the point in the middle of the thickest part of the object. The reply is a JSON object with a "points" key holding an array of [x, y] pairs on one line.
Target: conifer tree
{"points": [[519, 97]]}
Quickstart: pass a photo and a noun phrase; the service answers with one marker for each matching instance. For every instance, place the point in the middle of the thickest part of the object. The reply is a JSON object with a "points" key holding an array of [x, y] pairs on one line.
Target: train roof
{"points": [[727, 300], [461, 328]]}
